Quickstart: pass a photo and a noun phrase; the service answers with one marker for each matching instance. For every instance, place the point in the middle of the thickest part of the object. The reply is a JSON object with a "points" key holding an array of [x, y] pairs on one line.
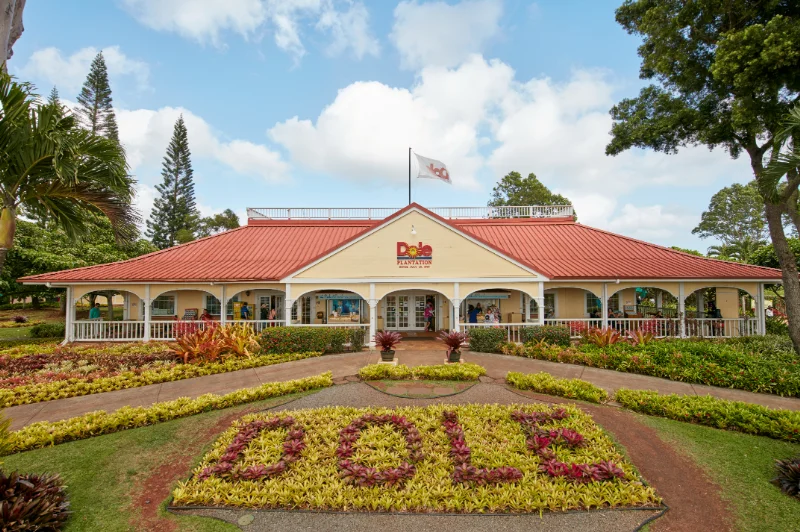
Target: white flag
{"points": [[433, 169]]}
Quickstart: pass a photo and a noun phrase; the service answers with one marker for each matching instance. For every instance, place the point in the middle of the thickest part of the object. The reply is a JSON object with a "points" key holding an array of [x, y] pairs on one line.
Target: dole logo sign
{"points": [[414, 255]]}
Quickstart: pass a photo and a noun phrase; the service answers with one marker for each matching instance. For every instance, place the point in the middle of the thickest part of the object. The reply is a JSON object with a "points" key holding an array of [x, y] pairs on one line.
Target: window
{"points": [[549, 307], [213, 305], [593, 304], [164, 306]]}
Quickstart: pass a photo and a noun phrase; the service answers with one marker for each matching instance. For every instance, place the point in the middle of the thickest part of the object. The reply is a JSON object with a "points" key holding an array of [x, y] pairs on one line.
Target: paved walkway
{"points": [[347, 365]]}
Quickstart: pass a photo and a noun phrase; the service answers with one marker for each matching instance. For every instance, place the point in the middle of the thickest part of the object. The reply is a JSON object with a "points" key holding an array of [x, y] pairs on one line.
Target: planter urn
{"points": [[387, 356]]}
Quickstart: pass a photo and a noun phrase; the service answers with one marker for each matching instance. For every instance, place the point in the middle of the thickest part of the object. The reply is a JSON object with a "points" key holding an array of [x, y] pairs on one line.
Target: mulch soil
{"points": [[694, 500]]}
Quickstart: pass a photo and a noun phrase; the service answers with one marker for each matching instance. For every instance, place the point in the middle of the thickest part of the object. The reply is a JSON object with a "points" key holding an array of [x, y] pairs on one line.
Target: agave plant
{"points": [[788, 479]]}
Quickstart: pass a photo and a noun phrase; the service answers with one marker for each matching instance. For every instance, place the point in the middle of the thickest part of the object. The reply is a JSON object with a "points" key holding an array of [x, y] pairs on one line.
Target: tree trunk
{"points": [[8, 228], [791, 282], [62, 304], [11, 27], [35, 303]]}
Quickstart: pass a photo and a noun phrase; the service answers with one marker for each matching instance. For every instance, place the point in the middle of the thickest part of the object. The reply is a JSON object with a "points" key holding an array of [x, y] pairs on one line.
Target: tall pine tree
{"points": [[54, 101], [94, 110], [175, 216]]}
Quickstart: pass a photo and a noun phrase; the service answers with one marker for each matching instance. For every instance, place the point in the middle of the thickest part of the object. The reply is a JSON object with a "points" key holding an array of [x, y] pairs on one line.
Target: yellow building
{"points": [[414, 269]]}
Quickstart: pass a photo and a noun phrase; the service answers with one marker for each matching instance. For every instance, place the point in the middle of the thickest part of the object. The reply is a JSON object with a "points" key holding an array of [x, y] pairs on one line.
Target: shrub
{"points": [[487, 339], [44, 434], [304, 339], [788, 479], [546, 383], [48, 330], [777, 326], [20, 319], [552, 334], [5, 436], [603, 337], [441, 372], [32, 502], [719, 413], [387, 340], [639, 337]]}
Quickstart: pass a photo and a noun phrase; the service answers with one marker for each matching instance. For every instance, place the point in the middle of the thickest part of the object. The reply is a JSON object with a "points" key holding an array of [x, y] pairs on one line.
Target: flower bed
{"points": [[440, 372], [17, 324], [742, 365], [719, 413], [442, 458], [546, 383], [125, 374], [44, 434]]}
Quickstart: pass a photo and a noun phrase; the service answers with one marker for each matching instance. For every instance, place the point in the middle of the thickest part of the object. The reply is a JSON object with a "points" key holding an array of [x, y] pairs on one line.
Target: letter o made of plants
{"points": [[226, 467], [363, 476]]}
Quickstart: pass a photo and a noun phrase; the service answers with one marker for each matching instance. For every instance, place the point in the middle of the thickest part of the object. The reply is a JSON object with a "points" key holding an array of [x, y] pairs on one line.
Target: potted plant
{"points": [[454, 340], [387, 340]]}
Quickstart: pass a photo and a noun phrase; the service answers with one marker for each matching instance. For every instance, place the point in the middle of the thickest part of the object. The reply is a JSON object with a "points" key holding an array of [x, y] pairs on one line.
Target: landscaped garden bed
{"points": [[57, 373], [758, 365], [547, 384], [443, 458], [451, 372]]}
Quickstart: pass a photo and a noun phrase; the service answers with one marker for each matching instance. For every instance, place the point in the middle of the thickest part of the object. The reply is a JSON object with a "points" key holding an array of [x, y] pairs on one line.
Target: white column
{"points": [[456, 325], [223, 307], [760, 309], [147, 312], [69, 319], [682, 310], [287, 303], [373, 315], [659, 300], [541, 303], [604, 305]]}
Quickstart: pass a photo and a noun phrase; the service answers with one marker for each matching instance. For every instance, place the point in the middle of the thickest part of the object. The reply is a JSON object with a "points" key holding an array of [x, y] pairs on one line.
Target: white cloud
{"points": [[146, 133], [650, 222], [365, 133], [206, 20], [441, 34], [51, 67]]}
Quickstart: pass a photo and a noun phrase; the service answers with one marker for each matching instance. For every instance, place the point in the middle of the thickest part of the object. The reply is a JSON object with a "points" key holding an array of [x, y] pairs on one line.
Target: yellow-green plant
{"points": [[440, 372], [35, 393], [318, 480], [546, 383], [44, 433]]}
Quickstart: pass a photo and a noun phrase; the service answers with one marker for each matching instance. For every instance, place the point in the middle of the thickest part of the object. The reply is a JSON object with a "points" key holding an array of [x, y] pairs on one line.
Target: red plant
{"points": [[387, 339], [603, 337], [639, 338], [20, 319], [360, 475], [454, 340], [292, 447], [578, 328]]}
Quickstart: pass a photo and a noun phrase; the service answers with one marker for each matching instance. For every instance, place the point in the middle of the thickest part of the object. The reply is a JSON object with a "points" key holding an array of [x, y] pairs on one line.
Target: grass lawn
{"points": [[742, 465], [104, 475]]}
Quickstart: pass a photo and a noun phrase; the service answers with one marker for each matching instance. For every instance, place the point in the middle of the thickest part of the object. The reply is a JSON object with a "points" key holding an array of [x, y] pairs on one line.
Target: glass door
{"points": [[391, 312], [419, 311], [402, 311]]}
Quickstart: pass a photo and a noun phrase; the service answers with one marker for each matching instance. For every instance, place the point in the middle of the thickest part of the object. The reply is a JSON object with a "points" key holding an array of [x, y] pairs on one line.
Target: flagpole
{"points": [[409, 176]]}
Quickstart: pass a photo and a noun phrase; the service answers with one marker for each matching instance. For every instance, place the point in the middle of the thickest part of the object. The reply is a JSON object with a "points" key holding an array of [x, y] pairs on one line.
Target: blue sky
{"points": [[315, 102]]}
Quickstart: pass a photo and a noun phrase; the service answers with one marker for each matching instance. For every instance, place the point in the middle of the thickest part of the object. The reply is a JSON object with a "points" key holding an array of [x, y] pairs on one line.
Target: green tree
{"points": [[41, 249], [689, 251], [212, 225], [56, 172], [94, 102], [726, 74], [174, 217], [739, 251], [514, 189], [735, 214]]}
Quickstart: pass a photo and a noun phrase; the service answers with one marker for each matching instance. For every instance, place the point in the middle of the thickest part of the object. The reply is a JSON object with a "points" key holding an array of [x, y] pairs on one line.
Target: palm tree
{"points": [[56, 172], [739, 251]]}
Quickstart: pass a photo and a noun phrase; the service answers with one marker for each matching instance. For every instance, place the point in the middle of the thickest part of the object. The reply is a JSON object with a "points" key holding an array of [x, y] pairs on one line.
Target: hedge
{"points": [[486, 339], [48, 330], [45, 433], [718, 413], [35, 393], [547, 384], [275, 340], [552, 334], [440, 372]]}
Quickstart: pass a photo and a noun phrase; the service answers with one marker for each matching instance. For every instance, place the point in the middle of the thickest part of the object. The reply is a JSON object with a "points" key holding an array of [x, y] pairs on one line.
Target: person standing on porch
{"points": [[264, 314], [245, 311], [273, 314], [94, 312], [429, 317]]}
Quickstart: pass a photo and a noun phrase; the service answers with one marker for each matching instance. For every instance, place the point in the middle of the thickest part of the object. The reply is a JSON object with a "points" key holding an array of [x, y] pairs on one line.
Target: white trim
{"points": [[148, 318], [604, 305], [682, 309], [395, 219]]}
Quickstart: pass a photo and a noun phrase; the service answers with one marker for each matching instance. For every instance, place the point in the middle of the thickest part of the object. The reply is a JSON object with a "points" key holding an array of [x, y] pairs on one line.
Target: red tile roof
{"points": [[268, 250]]}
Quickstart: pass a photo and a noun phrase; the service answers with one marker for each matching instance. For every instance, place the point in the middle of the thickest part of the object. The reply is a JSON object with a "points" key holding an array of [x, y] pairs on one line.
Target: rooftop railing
{"points": [[379, 213]]}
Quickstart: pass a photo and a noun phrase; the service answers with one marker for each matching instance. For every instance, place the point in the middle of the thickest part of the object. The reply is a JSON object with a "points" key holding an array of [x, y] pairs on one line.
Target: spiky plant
{"points": [[788, 479]]}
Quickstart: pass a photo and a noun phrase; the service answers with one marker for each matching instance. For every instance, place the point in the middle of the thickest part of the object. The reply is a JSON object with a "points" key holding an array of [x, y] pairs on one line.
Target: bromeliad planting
{"points": [[467, 458], [546, 383]]}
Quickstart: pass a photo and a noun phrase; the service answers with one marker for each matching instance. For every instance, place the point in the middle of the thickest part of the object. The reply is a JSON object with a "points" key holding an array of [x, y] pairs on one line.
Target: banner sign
{"points": [[414, 255], [488, 296]]}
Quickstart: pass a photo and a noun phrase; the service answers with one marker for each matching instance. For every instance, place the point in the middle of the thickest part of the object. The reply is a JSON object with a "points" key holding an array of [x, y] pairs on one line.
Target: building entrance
{"points": [[406, 311]]}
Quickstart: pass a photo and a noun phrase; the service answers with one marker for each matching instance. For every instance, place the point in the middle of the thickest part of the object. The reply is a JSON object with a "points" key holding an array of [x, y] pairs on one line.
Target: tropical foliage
{"points": [[788, 476], [718, 413], [440, 372], [304, 339], [470, 458], [32, 502], [550, 385], [47, 433]]}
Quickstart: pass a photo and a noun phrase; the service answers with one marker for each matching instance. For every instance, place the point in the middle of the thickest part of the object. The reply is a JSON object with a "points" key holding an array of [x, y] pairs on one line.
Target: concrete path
{"points": [[346, 365]]}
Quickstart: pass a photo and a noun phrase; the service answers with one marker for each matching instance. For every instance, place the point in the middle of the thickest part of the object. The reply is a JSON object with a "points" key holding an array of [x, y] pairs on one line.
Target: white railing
{"points": [[107, 331], [721, 327], [658, 327], [379, 213], [513, 330], [576, 326], [259, 325]]}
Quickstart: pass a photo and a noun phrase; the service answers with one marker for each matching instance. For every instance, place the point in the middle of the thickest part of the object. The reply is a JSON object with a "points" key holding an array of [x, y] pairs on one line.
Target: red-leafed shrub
{"points": [[603, 337], [387, 340], [32, 502], [454, 340]]}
